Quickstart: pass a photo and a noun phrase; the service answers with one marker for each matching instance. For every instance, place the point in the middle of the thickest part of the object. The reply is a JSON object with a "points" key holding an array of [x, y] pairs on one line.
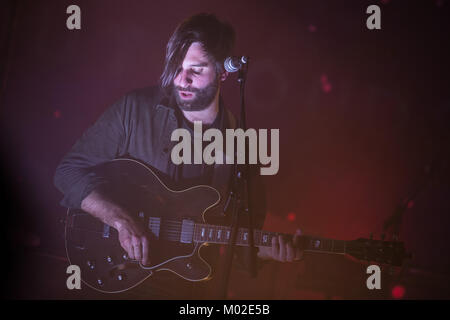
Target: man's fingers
{"points": [[287, 249], [296, 238], [275, 248], [297, 245], [290, 252], [128, 247], [137, 248], [282, 255], [298, 254], [137, 252], [145, 257]]}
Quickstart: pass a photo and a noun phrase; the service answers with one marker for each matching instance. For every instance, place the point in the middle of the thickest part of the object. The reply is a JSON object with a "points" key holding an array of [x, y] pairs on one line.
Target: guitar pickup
{"points": [[187, 231], [106, 229], [154, 224]]}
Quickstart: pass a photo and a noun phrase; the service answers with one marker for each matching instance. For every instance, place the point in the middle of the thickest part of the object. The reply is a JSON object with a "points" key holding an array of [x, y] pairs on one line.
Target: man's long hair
{"points": [[217, 39]]}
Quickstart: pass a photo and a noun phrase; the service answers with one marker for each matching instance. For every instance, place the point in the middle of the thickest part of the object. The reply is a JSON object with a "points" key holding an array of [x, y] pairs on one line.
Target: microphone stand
{"points": [[239, 197], [394, 221]]}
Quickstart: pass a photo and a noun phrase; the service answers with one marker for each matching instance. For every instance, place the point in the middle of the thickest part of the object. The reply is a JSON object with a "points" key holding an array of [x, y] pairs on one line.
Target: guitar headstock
{"points": [[385, 252]]}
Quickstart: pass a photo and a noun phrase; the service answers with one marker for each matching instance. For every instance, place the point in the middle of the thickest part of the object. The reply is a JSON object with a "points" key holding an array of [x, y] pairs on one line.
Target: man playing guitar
{"points": [[139, 126]]}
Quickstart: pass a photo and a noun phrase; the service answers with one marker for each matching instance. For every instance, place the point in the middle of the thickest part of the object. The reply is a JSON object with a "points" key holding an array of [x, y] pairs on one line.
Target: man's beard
{"points": [[202, 97]]}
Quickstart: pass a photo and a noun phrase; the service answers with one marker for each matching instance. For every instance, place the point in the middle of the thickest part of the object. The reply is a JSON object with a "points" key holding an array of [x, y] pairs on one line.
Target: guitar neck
{"points": [[221, 235]]}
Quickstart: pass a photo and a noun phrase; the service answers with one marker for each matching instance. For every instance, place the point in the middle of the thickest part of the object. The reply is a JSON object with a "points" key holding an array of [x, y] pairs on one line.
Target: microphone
{"points": [[233, 64]]}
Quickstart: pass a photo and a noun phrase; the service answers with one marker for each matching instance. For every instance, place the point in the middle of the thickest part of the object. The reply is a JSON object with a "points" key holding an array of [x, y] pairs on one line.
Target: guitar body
{"points": [[95, 247], [176, 223]]}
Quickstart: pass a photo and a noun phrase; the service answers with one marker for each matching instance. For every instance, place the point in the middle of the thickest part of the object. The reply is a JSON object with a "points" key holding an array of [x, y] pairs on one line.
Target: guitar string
{"points": [[176, 238], [166, 232], [175, 231], [171, 230], [177, 225], [171, 226], [206, 227]]}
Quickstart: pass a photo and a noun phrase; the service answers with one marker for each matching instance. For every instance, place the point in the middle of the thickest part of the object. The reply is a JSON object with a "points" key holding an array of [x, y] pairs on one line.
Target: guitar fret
{"points": [[203, 233], [244, 236], [211, 234], [314, 244], [266, 239], [216, 233], [339, 246], [257, 238], [326, 245]]}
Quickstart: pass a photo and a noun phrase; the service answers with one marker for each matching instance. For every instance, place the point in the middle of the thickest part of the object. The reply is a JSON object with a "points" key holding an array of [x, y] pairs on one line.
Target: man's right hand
{"points": [[133, 240], [132, 236]]}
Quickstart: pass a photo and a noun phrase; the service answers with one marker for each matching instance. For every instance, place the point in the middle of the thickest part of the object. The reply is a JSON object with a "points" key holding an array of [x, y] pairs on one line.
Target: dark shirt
{"points": [[139, 126]]}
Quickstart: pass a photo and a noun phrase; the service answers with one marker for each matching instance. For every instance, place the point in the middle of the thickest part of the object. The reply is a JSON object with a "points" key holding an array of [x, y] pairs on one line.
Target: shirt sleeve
{"points": [[74, 176]]}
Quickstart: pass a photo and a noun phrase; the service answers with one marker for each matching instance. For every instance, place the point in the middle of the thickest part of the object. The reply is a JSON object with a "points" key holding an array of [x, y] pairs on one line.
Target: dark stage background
{"points": [[363, 118]]}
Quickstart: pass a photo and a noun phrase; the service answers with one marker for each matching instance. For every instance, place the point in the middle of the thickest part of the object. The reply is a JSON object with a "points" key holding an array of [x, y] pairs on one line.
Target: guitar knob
{"points": [[91, 264], [100, 282], [125, 256], [121, 277], [109, 259], [189, 266]]}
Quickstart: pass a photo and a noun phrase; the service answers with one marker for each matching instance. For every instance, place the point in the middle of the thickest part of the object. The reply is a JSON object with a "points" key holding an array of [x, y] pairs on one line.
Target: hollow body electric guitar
{"points": [[177, 234]]}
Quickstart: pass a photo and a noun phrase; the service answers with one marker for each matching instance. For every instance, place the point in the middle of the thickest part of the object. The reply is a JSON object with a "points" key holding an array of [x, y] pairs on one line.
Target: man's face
{"points": [[197, 82]]}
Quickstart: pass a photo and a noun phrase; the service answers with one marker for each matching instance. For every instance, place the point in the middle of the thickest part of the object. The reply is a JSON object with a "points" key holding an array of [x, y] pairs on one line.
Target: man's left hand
{"points": [[282, 249]]}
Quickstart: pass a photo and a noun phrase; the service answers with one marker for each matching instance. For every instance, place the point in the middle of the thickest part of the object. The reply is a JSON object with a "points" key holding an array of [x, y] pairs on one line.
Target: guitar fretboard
{"points": [[222, 234]]}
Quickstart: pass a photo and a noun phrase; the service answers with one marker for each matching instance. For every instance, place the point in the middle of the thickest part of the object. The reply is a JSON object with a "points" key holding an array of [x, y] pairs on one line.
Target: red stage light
{"points": [[326, 88], [326, 85], [312, 28], [398, 292], [291, 216]]}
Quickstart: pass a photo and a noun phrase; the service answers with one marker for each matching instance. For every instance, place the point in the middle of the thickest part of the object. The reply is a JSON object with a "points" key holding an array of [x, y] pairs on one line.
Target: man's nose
{"points": [[183, 79]]}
